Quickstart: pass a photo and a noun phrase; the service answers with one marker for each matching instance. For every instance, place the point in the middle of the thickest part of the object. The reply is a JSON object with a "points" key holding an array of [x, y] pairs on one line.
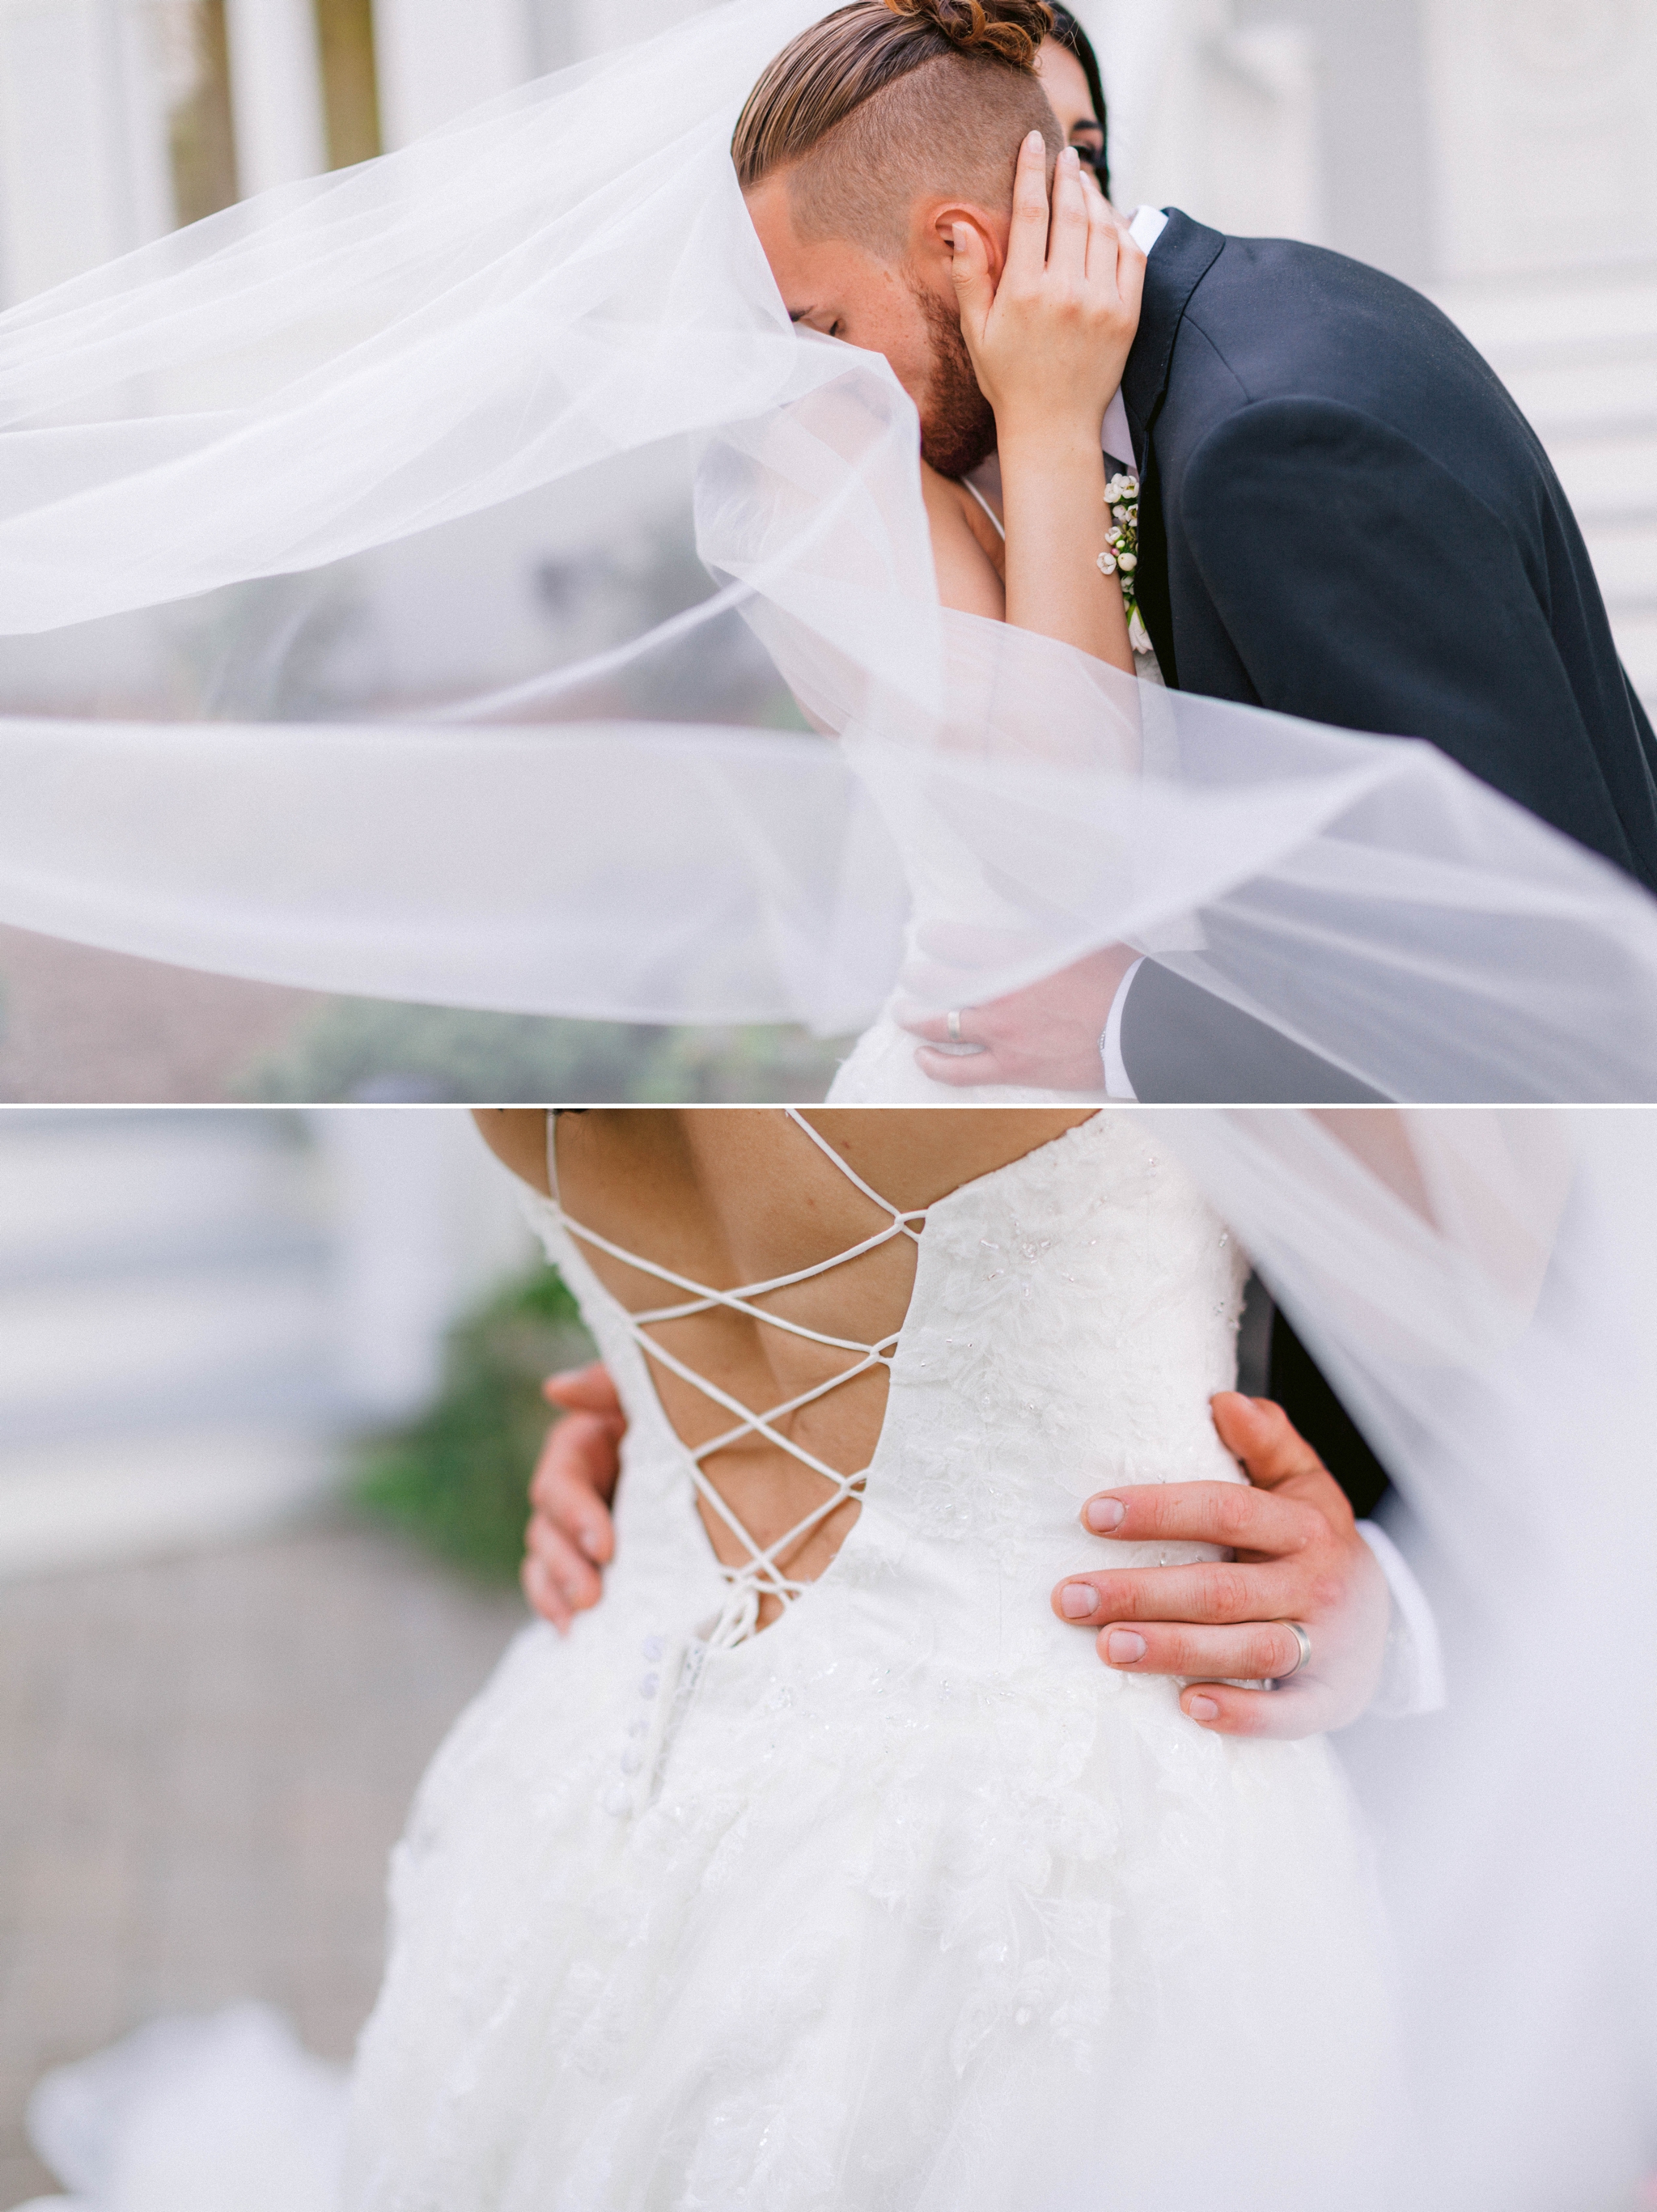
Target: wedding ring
{"points": [[1304, 1658], [952, 1023]]}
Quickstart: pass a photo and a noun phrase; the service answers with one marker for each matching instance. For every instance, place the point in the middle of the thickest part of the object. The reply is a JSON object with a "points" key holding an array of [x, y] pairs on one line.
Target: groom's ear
{"points": [[993, 231]]}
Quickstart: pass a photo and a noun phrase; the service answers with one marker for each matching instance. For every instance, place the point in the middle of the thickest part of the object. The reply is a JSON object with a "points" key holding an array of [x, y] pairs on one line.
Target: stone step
{"points": [[1625, 562], [111, 1192], [1596, 394], [1608, 479], [75, 1355], [76, 1503], [1580, 313], [1636, 640]]}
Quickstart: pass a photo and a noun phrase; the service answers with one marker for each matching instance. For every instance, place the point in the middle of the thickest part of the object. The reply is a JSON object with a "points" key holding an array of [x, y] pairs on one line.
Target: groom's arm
{"points": [[1360, 584]]}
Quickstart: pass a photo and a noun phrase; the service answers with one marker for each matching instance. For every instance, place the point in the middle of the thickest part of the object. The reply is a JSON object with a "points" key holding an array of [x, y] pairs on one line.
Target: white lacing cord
{"points": [[761, 1575]]}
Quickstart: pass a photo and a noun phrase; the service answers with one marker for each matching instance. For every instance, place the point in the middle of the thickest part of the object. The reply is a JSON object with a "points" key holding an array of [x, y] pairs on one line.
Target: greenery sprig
{"points": [[1121, 557]]}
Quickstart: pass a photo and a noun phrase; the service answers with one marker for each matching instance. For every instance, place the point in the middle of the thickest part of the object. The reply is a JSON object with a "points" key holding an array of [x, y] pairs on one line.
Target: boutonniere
{"points": [[1121, 556]]}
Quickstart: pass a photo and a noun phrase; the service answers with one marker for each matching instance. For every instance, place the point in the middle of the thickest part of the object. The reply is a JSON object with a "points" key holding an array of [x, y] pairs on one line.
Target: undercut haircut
{"points": [[887, 101]]}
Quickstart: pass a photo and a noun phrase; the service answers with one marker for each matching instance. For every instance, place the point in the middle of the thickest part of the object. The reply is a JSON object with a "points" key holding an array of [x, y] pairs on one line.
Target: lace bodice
{"points": [[1072, 1315]]}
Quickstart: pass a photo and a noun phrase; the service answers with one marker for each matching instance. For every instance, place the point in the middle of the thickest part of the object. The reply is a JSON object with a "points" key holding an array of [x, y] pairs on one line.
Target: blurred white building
{"points": [[197, 1306], [1502, 153]]}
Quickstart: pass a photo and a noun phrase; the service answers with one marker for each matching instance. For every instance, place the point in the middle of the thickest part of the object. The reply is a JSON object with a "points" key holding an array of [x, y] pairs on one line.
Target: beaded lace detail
{"points": [[762, 1573]]}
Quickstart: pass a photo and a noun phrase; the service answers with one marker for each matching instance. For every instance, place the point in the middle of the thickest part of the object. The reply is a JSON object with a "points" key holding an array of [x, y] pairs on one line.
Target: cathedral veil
{"points": [[430, 581], [455, 579]]}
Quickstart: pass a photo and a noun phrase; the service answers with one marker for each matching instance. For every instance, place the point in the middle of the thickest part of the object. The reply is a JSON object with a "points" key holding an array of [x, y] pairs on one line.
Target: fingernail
{"points": [[1104, 1514], [1202, 1709], [1077, 1601], [1124, 1646], [592, 1542], [1070, 158]]}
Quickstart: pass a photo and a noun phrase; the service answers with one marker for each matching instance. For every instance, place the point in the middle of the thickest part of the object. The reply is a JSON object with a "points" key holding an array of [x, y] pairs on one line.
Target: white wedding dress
{"points": [[904, 1901]]}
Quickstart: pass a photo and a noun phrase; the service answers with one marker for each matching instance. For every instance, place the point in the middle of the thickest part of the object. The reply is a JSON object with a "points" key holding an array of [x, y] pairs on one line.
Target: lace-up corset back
{"points": [[762, 1572]]}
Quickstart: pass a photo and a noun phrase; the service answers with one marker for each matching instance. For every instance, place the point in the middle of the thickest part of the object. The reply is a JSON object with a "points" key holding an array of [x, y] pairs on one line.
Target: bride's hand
{"points": [[1050, 340]]}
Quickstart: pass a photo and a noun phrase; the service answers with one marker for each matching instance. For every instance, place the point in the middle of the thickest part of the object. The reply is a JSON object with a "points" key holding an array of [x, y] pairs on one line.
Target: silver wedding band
{"points": [[952, 1023], [1304, 1659]]}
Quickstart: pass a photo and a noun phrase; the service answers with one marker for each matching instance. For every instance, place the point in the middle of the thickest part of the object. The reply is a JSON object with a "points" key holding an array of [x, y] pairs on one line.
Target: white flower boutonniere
{"points": [[1121, 556]]}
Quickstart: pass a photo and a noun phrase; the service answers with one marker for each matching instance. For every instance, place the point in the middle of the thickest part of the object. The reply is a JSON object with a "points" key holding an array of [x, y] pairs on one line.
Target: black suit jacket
{"points": [[1426, 576]]}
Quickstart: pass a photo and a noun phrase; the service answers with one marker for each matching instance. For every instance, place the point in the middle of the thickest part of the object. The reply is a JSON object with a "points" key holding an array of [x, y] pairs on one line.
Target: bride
{"points": [[818, 1866]]}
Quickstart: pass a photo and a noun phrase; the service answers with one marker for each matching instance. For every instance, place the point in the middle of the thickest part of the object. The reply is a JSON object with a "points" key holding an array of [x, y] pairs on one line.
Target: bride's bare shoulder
{"points": [[968, 578], [517, 1135]]}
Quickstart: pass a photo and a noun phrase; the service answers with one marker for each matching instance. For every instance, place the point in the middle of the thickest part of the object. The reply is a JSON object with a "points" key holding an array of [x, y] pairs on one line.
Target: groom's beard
{"points": [[957, 430]]}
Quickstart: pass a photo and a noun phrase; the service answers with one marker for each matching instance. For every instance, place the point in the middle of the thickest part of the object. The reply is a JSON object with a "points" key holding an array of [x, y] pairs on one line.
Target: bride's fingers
{"points": [[1104, 236], [1068, 236], [1027, 242], [1260, 1650]]}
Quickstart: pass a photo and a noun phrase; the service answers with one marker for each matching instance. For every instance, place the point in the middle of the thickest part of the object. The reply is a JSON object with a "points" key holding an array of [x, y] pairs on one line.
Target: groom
{"points": [[1343, 514]]}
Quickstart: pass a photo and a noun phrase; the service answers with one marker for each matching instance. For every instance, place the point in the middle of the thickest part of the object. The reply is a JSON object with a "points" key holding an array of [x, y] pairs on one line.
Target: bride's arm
{"points": [[968, 579], [1048, 340]]}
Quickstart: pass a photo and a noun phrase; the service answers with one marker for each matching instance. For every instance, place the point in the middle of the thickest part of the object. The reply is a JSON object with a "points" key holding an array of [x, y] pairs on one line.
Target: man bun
{"points": [[1002, 30]]}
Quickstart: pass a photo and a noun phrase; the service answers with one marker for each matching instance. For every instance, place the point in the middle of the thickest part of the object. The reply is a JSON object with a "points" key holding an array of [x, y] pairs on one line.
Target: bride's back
{"points": [[726, 1198]]}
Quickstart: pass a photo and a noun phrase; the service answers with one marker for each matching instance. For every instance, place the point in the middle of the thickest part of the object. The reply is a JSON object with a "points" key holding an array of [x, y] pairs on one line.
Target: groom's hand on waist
{"points": [[571, 1535], [1296, 1556]]}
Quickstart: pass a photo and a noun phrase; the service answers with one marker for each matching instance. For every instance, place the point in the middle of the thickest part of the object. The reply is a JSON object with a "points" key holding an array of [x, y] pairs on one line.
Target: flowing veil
{"points": [[455, 579]]}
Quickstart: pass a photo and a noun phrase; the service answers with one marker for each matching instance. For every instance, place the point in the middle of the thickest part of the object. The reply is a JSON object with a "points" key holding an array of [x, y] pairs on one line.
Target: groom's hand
{"points": [[571, 1534], [1046, 1037], [1296, 1556]]}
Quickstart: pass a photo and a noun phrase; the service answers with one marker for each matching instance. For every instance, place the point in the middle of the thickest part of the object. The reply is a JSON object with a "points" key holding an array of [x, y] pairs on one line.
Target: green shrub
{"points": [[457, 1479], [364, 1050]]}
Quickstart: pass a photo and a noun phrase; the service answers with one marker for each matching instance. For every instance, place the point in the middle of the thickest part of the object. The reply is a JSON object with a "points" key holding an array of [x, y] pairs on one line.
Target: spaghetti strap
{"points": [[552, 1153], [1000, 528], [917, 1214]]}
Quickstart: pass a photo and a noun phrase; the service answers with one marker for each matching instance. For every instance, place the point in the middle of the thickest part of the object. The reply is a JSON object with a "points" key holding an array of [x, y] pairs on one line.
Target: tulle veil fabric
{"points": [[455, 579]]}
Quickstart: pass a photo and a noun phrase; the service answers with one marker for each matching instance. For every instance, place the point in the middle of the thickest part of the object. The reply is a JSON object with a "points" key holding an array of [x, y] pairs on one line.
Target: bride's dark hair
{"points": [[887, 98], [1068, 33]]}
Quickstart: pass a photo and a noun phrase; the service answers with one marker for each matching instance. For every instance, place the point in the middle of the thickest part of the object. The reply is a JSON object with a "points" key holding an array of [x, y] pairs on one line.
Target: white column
{"points": [[596, 26], [1545, 118], [276, 83], [436, 60], [1217, 118], [83, 172]]}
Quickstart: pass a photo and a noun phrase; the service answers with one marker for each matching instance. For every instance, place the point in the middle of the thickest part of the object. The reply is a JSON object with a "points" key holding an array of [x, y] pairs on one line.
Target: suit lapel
{"points": [[1178, 261]]}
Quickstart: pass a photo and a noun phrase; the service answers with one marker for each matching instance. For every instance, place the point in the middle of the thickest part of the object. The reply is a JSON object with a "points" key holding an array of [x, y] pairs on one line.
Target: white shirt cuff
{"points": [[1412, 1673], [1117, 1084]]}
